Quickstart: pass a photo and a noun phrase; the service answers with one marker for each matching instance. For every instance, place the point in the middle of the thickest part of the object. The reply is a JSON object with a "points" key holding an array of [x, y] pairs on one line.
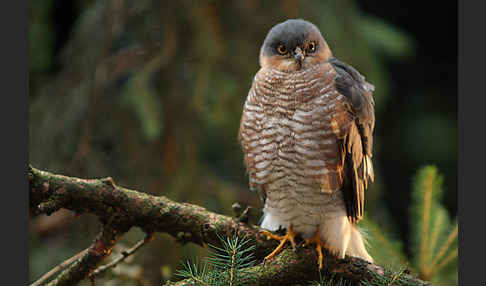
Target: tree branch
{"points": [[101, 248], [119, 209], [59, 267], [124, 254]]}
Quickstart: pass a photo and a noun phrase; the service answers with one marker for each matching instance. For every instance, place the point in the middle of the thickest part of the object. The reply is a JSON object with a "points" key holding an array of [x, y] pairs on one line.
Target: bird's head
{"points": [[294, 45]]}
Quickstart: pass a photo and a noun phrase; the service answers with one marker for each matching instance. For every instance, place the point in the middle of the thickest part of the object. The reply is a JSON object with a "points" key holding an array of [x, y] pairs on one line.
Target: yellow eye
{"points": [[282, 49], [311, 47]]}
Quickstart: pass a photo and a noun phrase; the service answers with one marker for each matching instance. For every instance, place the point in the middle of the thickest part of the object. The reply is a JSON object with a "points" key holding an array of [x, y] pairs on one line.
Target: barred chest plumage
{"points": [[290, 142]]}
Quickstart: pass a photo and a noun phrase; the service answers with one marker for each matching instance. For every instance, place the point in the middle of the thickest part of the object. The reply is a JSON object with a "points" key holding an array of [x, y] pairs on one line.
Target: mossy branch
{"points": [[119, 209]]}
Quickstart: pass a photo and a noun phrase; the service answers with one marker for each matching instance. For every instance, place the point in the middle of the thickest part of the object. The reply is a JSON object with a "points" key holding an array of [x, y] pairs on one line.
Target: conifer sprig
{"points": [[433, 236], [224, 266]]}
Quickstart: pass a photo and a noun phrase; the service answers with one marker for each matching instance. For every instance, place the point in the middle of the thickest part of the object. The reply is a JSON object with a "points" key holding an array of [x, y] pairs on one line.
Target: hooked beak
{"points": [[299, 56]]}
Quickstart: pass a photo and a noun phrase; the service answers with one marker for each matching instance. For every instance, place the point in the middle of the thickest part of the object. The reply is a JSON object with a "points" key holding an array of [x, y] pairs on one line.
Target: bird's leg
{"points": [[289, 236], [319, 244]]}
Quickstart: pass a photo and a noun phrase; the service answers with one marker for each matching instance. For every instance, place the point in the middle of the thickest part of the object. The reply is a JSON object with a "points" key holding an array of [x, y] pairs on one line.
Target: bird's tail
{"points": [[356, 245], [344, 238]]}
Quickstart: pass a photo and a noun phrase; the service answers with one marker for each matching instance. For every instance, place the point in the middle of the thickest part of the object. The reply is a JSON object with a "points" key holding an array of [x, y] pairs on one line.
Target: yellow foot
{"points": [[290, 236], [319, 244]]}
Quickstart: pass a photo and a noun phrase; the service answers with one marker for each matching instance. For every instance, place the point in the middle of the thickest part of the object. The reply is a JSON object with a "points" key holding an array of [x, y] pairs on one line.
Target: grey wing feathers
{"points": [[350, 83], [357, 144]]}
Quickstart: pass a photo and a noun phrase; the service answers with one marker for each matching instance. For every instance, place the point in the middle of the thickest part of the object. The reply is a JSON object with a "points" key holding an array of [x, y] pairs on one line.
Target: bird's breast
{"points": [[289, 140]]}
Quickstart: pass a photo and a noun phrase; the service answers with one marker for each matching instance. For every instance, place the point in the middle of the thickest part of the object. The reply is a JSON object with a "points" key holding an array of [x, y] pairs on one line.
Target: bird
{"points": [[306, 132]]}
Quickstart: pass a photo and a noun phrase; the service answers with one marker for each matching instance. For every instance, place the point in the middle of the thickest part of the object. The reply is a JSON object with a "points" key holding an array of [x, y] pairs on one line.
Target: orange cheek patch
{"points": [[324, 54]]}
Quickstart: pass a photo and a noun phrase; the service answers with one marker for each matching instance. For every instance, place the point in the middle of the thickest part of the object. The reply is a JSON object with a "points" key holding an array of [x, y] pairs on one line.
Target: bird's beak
{"points": [[299, 56]]}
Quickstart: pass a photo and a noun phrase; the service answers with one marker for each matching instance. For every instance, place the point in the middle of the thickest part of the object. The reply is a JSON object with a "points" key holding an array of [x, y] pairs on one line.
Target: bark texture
{"points": [[120, 208]]}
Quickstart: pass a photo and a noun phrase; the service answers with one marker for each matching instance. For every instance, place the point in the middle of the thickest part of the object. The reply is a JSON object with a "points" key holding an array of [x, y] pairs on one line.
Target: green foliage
{"points": [[224, 266], [384, 248], [433, 237], [386, 38]]}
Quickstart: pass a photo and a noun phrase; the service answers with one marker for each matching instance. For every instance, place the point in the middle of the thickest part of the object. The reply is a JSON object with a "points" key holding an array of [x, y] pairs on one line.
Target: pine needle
{"points": [[427, 185], [438, 228], [448, 259], [445, 247]]}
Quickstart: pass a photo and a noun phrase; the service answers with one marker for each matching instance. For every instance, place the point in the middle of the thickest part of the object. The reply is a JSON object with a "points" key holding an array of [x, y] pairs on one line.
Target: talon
{"points": [[290, 236], [319, 244], [270, 235]]}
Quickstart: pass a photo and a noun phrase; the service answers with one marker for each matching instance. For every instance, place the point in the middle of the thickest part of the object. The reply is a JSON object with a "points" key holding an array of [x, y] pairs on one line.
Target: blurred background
{"points": [[151, 93]]}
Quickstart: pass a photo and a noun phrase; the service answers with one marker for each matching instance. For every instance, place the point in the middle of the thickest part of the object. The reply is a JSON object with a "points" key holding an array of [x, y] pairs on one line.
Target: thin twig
{"points": [[59, 267], [100, 248], [123, 256]]}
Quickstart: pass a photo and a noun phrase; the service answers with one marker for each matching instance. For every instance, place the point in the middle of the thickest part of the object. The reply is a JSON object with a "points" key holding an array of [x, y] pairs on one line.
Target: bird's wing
{"points": [[356, 142]]}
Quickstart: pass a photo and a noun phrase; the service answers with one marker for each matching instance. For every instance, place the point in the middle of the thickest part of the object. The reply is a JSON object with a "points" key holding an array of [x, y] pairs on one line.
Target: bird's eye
{"points": [[282, 49], [311, 47]]}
